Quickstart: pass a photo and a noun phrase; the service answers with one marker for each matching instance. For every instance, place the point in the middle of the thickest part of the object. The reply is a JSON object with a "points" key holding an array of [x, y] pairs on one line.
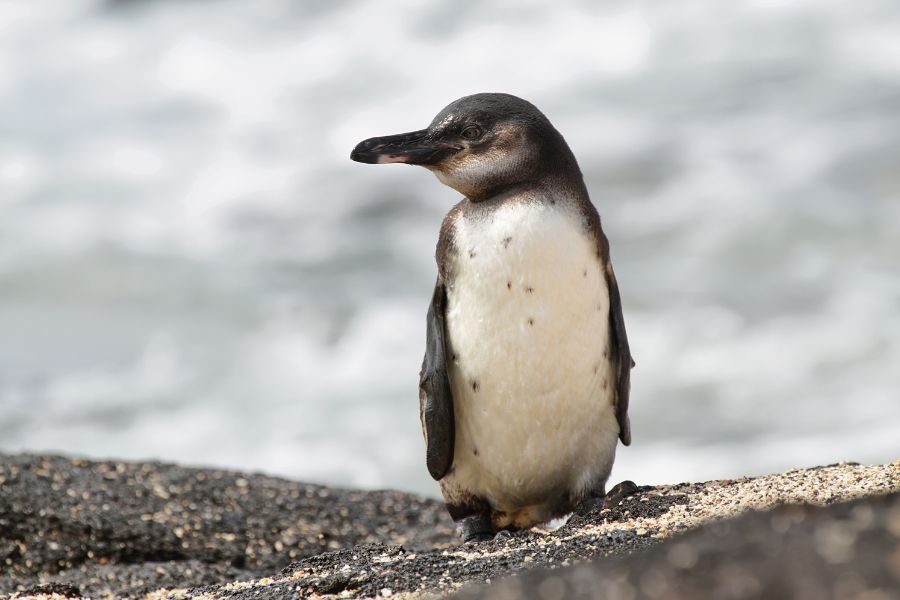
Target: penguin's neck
{"points": [[544, 189]]}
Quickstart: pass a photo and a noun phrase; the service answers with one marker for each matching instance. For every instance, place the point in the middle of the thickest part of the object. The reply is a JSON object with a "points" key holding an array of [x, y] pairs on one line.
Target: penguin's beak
{"points": [[413, 148]]}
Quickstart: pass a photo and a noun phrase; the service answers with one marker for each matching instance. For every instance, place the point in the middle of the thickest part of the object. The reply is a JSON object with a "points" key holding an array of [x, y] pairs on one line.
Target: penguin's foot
{"points": [[599, 498], [501, 536], [620, 492], [588, 504], [475, 528]]}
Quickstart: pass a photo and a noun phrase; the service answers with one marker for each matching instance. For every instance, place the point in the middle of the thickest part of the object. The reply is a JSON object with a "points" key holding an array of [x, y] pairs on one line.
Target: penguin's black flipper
{"points": [[621, 355], [435, 396]]}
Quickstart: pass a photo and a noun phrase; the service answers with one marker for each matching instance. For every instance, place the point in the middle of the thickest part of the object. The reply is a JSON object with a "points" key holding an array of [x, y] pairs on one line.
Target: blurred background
{"points": [[192, 269]]}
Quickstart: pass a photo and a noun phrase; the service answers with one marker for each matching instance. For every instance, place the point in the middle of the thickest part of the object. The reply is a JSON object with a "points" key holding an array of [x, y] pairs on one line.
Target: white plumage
{"points": [[528, 327]]}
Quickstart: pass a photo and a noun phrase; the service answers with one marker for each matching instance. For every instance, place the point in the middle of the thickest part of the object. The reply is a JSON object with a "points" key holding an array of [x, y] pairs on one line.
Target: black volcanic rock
{"points": [[135, 527], [71, 528], [843, 551]]}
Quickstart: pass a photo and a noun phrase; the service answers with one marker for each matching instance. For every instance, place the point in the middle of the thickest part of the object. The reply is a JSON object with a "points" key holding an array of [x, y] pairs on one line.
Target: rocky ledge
{"points": [[77, 528]]}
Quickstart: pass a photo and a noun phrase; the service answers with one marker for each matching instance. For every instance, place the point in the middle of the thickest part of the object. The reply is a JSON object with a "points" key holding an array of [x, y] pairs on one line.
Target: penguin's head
{"points": [[479, 145]]}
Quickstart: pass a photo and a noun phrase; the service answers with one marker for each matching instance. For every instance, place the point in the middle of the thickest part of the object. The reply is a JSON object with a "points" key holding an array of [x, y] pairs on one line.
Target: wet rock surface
{"points": [[111, 529]]}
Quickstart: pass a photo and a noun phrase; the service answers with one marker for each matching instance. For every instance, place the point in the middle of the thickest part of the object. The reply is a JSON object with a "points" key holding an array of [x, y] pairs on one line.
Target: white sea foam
{"points": [[193, 269]]}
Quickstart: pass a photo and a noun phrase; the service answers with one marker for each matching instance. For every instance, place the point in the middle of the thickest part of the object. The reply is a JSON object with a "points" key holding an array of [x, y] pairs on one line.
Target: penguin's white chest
{"points": [[528, 328]]}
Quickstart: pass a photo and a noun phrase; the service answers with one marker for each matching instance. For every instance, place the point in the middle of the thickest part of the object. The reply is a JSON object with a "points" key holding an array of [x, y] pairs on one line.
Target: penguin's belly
{"points": [[528, 328]]}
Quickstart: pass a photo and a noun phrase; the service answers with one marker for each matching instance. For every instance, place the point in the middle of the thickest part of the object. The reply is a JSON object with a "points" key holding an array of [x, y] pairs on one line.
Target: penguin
{"points": [[524, 388]]}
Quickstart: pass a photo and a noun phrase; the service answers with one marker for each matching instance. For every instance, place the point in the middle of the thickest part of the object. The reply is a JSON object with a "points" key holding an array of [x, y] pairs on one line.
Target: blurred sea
{"points": [[192, 269]]}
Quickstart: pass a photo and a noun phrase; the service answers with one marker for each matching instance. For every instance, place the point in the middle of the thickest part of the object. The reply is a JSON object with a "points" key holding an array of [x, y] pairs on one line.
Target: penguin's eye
{"points": [[472, 132]]}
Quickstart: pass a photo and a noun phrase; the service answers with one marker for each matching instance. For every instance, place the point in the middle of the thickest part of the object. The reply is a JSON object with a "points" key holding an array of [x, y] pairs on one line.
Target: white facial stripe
{"points": [[467, 172]]}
